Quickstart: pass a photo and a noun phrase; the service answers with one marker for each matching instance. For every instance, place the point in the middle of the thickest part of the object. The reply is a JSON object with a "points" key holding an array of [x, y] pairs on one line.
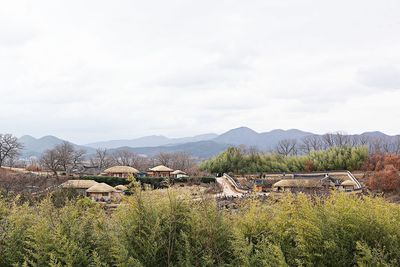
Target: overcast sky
{"points": [[97, 70]]}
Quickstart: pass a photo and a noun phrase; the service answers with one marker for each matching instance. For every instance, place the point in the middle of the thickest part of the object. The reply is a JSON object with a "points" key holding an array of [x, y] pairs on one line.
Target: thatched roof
{"points": [[121, 169], [121, 187], [349, 183], [161, 168], [305, 183], [79, 184], [178, 172], [101, 188]]}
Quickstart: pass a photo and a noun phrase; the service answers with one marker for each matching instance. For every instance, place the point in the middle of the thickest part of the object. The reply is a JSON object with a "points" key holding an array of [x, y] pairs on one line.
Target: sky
{"points": [[97, 70]]}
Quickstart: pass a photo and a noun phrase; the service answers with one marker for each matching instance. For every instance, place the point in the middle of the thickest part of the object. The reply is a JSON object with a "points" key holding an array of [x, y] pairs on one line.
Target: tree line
{"points": [[156, 229], [64, 157], [241, 160], [375, 145]]}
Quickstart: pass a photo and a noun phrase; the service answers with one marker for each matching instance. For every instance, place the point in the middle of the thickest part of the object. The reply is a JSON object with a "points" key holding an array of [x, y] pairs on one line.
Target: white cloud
{"points": [[99, 70]]}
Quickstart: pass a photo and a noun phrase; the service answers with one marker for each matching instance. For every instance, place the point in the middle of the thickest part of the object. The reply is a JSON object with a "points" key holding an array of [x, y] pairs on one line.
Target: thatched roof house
{"points": [[101, 188], [102, 192], [305, 185], [349, 185], [120, 171], [80, 186], [160, 171], [121, 187]]}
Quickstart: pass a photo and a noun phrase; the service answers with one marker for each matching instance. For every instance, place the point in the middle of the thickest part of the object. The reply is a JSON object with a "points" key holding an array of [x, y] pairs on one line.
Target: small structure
{"points": [[121, 187], [349, 185], [79, 185], [102, 192], [309, 186], [120, 171], [179, 174], [160, 171]]}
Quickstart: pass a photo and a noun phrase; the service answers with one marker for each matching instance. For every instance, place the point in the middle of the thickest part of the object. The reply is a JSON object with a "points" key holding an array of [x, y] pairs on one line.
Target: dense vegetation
{"points": [[155, 229], [237, 160], [384, 172]]}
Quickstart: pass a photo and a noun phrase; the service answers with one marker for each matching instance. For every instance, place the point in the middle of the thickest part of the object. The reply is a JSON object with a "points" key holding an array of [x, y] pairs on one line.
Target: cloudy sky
{"points": [[94, 70]]}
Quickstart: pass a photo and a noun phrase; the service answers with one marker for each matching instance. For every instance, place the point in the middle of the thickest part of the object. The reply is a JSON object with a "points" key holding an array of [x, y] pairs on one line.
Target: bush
{"points": [[165, 229]]}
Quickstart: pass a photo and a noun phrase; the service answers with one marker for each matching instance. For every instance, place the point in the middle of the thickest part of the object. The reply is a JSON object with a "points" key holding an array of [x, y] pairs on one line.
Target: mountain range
{"points": [[200, 146]]}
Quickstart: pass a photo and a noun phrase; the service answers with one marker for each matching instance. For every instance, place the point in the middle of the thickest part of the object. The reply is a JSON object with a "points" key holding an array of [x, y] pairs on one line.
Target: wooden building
{"points": [[349, 185], [120, 171], [80, 186], [160, 171], [102, 192], [305, 185], [179, 174]]}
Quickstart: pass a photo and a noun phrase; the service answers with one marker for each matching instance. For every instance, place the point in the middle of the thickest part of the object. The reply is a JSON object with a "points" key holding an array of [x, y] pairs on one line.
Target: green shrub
{"points": [[158, 228]]}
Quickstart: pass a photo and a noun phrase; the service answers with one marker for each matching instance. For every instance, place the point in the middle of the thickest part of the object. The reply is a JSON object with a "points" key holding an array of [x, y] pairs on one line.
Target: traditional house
{"points": [[305, 185], [121, 188], [120, 171], [179, 174], [349, 185], [160, 171], [80, 186], [102, 192]]}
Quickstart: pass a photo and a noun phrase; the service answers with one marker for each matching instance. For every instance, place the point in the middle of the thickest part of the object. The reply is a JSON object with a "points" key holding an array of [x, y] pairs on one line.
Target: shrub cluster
{"points": [[163, 229]]}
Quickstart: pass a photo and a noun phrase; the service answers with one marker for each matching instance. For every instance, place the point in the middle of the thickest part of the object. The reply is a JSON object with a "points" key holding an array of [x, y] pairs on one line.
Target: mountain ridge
{"points": [[201, 146]]}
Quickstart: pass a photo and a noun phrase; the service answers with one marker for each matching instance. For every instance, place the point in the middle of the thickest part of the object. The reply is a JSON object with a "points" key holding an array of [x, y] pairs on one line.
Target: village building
{"points": [[160, 171], [102, 192], [80, 186], [349, 185], [179, 174], [120, 171], [305, 185], [121, 188]]}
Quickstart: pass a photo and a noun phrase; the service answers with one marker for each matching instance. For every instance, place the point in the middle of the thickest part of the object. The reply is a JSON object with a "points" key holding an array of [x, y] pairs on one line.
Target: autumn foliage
{"points": [[384, 172]]}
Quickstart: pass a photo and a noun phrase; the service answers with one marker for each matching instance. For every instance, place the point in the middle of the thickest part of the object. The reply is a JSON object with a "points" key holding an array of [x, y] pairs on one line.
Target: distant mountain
{"points": [[263, 141], [150, 141], [200, 146], [200, 149], [36, 146]]}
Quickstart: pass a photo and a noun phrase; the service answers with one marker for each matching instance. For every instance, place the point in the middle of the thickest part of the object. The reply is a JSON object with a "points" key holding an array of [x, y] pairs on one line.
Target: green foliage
{"points": [[235, 160], [154, 228]]}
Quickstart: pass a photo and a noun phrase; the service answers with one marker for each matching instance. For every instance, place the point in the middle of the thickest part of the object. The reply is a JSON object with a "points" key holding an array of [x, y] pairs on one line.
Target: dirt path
{"points": [[227, 189]]}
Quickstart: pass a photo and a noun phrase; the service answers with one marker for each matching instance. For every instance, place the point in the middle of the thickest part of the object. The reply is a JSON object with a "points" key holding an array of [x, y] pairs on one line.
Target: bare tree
{"points": [[359, 140], [63, 157], [328, 140], [9, 147], [396, 145], [164, 158], [101, 159], [69, 158], [50, 161], [287, 147], [78, 157], [182, 161], [341, 139], [125, 158], [310, 143]]}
